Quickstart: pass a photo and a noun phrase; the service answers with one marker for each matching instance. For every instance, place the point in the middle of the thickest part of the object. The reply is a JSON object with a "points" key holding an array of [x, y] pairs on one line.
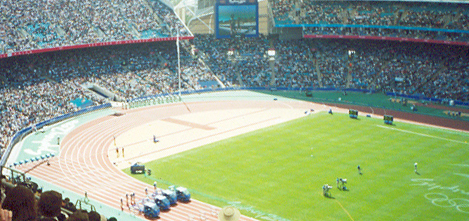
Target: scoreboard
{"points": [[236, 18], [388, 119], [353, 113]]}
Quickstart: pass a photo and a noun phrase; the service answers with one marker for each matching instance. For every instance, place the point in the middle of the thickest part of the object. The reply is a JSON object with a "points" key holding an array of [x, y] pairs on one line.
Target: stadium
{"points": [[244, 110]]}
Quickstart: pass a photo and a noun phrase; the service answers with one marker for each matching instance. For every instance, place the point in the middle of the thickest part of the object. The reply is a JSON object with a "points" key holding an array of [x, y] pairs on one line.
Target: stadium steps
{"points": [[201, 58], [375, 77], [133, 29], [162, 59], [93, 28], [397, 17], [430, 80], [318, 70], [155, 15], [98, 31], [60, 31], [24, 33], [403, 15], [343, 15], [450, 18]]}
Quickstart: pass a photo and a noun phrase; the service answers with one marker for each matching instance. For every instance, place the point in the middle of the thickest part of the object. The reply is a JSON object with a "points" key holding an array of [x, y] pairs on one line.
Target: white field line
{"points": [[421, 134]]}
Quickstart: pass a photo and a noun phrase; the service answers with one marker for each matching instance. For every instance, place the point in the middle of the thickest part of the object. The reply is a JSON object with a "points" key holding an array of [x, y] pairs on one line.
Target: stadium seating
{"points": [[436, 21], [402, 67], [29, 25], [38, 87]]}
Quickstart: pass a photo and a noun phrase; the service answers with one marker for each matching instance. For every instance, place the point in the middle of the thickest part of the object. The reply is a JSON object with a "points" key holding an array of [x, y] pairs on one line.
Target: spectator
{"points": [[79, 215], [49, 206], [94, 216], [5, 215], [68, 205], [21, 202], [50, 24]]}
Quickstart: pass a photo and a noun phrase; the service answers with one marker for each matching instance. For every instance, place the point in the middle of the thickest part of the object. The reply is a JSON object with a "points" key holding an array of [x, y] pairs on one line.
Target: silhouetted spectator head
{"points": [[21, 202], [94, 216], [79, 215], [50, 203], [68, 205]]}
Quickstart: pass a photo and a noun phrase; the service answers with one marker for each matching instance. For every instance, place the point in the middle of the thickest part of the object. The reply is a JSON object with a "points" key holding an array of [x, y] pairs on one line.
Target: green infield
{"points": [[374, 100], [277, 173]]}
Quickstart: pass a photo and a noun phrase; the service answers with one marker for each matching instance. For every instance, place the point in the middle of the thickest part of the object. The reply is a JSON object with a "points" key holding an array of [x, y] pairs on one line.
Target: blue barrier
{"points": [[416, 97], [370, 26], [25, 131], [20, 134]]}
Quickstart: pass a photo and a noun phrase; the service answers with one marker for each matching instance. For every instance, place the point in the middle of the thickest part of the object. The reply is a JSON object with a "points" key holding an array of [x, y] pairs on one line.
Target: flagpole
{"points": [[179, 63]]}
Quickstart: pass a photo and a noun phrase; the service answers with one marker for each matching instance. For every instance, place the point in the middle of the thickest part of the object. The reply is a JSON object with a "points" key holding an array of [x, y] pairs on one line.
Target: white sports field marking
{"points": [[442, 200], [345, 210], [462, 174], [283, 103], [461, 165], [421, 134]]}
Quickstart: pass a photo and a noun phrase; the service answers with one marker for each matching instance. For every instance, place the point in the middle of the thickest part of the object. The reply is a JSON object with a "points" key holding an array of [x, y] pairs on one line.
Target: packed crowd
{"points": [[406, 68], [247, 65], [401, 33], [170, 19], [20, 204], [400, 14], [435, 15], [40, 87], [27, 25]]}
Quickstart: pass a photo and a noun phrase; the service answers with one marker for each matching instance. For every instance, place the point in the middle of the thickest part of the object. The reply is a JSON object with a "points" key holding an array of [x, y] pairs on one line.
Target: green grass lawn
{"points": [[277, 173], [375, 100]]}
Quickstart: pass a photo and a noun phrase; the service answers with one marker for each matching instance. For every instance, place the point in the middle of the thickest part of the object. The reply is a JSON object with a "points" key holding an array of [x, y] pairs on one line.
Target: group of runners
{"points": [[342, 181]]}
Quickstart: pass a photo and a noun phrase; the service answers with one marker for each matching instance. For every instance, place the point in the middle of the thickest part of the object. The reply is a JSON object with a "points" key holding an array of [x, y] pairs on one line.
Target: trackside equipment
{"points": [[162, 202], [151, 210], [171, 196], [137, 168], [183, 194]]}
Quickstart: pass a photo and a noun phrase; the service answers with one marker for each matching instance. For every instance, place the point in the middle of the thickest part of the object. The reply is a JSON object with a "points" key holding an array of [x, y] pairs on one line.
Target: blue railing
{"points": [[369, 26], [25, 131], [416, 97]]}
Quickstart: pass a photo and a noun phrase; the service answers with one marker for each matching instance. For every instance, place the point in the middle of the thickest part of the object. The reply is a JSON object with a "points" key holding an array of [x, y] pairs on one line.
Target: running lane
{"points": [[84, 165]]}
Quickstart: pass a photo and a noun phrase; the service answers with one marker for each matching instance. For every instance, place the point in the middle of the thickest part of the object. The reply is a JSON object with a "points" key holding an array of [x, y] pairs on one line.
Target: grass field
{"points": [[374, 100], [277, 173]]}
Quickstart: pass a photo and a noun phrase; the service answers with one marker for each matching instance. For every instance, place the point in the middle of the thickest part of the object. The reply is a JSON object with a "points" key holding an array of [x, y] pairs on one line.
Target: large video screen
{"points": [[236, 18]]}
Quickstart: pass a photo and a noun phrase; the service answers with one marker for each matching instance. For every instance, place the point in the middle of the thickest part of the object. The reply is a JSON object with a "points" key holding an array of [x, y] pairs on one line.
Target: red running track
{"points": [[83, 164]]}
